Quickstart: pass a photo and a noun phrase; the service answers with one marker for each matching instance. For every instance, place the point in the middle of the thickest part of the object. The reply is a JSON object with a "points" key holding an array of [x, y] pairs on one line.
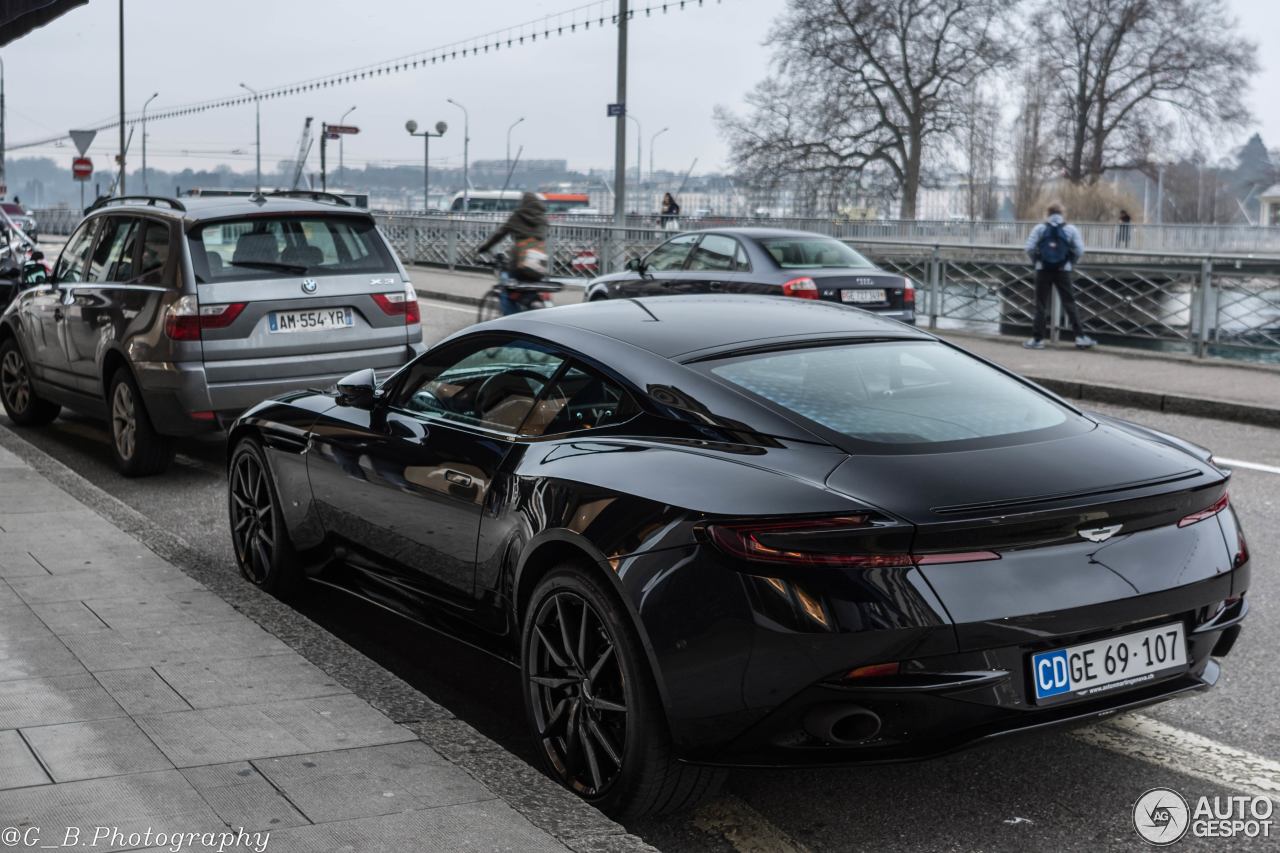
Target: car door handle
{"points": [[457, 478], [57, 313], [716, 285]]}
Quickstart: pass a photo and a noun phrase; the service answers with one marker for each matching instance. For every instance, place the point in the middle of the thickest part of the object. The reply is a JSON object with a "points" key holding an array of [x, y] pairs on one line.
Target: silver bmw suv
{"points": [[169, 317]]}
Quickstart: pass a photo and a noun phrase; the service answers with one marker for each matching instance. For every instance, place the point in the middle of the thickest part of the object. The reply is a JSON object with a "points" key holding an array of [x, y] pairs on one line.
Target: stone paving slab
{"points": [[241, 796], [141, 691], [248, 681], [140, 647], [186, 607], [26, 491], [49, 701], [19, 767], [95, 749], [221, 735], [380, 780], [162, 801], [79, 586]]}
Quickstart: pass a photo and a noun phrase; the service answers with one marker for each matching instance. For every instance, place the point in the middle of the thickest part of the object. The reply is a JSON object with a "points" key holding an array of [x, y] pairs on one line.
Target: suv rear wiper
{"points": [[268, 265]]}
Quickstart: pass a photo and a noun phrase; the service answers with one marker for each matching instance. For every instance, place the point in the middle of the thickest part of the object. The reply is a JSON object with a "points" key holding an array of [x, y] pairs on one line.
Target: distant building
{"points": [[1270, 200]]}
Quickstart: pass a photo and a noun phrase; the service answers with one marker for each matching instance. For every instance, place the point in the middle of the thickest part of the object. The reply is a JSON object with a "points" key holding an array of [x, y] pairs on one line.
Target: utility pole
{"points": [[620, 130], [146, 187], [324, 138], [257, 132], [122, 141]]}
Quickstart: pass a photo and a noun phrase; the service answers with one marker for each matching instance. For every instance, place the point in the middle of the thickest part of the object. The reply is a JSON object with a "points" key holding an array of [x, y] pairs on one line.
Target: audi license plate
{"points": [[1091, 669], [861, 296], [310, 321]]}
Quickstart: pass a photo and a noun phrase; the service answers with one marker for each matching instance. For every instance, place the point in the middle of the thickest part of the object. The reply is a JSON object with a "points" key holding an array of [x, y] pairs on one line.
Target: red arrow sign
{"points": [[341, 128], [81, 168]]}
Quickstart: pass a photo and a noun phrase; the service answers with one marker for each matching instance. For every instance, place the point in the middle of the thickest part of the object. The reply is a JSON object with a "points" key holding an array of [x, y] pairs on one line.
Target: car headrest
{"points": [[256, 246]]}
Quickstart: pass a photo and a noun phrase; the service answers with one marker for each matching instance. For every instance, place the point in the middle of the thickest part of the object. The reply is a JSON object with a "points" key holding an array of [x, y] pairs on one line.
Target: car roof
{"points": [[761, 232], [200, 208], [685, 327]]}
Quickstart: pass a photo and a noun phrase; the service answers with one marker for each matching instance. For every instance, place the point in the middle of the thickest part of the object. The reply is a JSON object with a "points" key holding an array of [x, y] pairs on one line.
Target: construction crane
{"points": [[304, 148]]}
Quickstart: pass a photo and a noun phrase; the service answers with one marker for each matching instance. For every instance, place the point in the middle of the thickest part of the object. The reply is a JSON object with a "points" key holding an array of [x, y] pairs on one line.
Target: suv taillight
{"points": [[908, 292], [403, 304], [186, 318], [801, 288]]}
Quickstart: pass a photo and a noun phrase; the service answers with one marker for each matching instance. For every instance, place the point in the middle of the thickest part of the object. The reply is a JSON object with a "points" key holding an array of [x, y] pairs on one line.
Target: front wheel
{"points": [[593, 706], [264, 552], [490, 307], [20, 402]]}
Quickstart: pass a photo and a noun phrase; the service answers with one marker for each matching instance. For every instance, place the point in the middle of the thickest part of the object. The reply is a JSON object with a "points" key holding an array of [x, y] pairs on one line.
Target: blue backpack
{"points": [[1054, 248]]}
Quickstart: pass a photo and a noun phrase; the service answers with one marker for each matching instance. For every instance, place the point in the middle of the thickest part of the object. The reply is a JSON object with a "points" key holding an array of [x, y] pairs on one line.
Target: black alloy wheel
{"points": [[592, 703], [20, 402], [258, 535]]}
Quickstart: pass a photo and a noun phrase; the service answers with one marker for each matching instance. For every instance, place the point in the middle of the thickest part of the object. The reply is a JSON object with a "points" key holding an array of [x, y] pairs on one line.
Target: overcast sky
{"points": [[682, 65]]}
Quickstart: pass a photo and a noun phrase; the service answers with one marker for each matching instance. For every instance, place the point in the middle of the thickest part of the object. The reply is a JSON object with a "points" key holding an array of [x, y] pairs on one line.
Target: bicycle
{"points": [[519, 296]]}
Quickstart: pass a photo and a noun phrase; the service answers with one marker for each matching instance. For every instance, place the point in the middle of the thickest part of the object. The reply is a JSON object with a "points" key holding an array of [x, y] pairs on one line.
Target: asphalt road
{"points": [[1058, 791]]}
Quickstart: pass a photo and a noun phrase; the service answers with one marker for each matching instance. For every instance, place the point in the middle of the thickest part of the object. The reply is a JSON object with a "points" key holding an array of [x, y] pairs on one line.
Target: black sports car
{"points": [[768, 261], [725, 530]]}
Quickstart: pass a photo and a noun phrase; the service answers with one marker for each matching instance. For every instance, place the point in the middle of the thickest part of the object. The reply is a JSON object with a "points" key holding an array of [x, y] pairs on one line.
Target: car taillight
{"points": [[908, 292], [1208, 512], [875, 670], [186, 318], [403, 304], [851, 541], [801, 288]]}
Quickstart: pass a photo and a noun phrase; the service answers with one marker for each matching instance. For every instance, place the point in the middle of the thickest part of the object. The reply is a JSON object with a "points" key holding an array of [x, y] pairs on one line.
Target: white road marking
{"points": [[1149, 740], [746, 830], [1252, 466], [437, 303]]}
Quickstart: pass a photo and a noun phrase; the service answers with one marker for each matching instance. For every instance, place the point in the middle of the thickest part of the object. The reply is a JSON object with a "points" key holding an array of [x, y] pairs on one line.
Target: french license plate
{"points": [[310, 321], [1091, 669], [862, 295]]}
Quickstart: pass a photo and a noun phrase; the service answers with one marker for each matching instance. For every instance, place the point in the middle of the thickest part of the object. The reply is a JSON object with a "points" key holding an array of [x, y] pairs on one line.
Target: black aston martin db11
{"points": [[728, 530]]}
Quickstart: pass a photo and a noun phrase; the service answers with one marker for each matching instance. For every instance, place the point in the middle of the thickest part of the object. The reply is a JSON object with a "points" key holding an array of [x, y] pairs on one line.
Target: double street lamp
{"points": [[412, 127], [257, 131]]}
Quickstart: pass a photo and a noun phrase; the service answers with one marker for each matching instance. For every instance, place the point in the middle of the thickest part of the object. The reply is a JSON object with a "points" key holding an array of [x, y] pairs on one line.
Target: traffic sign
{"points": [[81, 168], [341, 128], [616, 110], [83, 139]]}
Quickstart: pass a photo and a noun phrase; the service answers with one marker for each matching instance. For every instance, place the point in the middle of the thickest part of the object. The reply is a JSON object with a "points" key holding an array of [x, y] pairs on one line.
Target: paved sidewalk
{"points": [[1212, 387], [133, 698]]}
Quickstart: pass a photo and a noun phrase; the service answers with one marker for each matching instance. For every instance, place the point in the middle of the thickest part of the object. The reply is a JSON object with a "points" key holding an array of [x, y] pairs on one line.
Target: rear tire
{"points": [[139, 450], [490, 307], [21, 404], [259, 537], [598, 723]]}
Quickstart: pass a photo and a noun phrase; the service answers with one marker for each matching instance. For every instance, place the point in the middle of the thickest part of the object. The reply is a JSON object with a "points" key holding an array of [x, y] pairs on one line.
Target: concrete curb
{"points": [[540, 800], [1096, 392]]}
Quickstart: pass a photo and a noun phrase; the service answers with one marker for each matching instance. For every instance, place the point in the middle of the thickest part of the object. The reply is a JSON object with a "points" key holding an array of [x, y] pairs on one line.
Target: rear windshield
{"points": [[899, 393], [287, 246], [811, 253]]}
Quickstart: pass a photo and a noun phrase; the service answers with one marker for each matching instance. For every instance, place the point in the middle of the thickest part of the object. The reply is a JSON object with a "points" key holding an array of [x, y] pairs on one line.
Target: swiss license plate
{"points": [[862, 295], [310, 321], [1116, 663]]}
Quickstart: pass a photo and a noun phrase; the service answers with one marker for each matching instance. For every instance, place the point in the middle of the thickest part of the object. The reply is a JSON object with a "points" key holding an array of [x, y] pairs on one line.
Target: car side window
{"points": [[155, 254], [671, 255], [72, 262], [715, 252], [579, 400], [112, 258], [487, 383]]}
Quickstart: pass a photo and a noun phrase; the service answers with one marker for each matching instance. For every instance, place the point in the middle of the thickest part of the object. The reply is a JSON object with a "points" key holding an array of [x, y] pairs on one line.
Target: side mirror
{"points": [[37, 255], [358, 390], [635, 265]]}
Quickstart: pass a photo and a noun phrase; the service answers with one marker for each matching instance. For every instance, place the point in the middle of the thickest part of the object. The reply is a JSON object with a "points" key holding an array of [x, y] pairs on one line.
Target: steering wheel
{"points": [[501, 383]]}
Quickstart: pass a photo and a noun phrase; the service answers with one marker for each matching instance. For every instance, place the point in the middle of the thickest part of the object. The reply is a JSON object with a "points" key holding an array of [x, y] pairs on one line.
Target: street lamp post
{"points": [[3, 183], [652, 139], [412, 127], [257, 132], [466, 162], [509, 129], [146, 187], [122, 122], [342, 143], [639, 159]]}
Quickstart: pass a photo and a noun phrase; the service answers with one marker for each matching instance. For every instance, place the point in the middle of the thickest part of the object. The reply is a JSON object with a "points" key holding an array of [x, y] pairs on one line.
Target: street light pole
{"points": [[342, 143], [146, 187], [257, 133], [509, 129], [620, 129], [652, 139], [466, 162], [639, 158], [122, 142], [412, 127], [4, 189]]}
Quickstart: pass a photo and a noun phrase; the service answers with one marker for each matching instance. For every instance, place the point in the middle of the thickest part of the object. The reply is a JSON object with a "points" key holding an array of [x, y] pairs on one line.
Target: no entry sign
{"points": [[81, 168]]}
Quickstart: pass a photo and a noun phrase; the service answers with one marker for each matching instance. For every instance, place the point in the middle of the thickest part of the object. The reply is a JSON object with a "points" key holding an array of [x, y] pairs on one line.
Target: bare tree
{"points": [[1125, 73], [979, 141], [1030, 144], [867, 84]]}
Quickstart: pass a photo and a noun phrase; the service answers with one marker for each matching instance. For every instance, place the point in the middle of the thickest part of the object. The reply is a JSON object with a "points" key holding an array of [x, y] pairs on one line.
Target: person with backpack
{"points": [[1055, 246]]}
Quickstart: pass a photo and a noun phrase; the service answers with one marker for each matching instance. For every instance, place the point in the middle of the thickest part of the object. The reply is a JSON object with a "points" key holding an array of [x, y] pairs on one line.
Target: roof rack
{"points": [[149, 199], [314, 195]]}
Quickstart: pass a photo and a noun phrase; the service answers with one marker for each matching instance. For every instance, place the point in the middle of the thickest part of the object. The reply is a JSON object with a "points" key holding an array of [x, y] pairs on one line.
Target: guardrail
{"points": [[1203, 303]]}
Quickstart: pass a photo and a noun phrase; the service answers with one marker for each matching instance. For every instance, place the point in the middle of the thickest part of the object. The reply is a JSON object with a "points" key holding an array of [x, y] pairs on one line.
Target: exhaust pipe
{"points": [[842, 724]]}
